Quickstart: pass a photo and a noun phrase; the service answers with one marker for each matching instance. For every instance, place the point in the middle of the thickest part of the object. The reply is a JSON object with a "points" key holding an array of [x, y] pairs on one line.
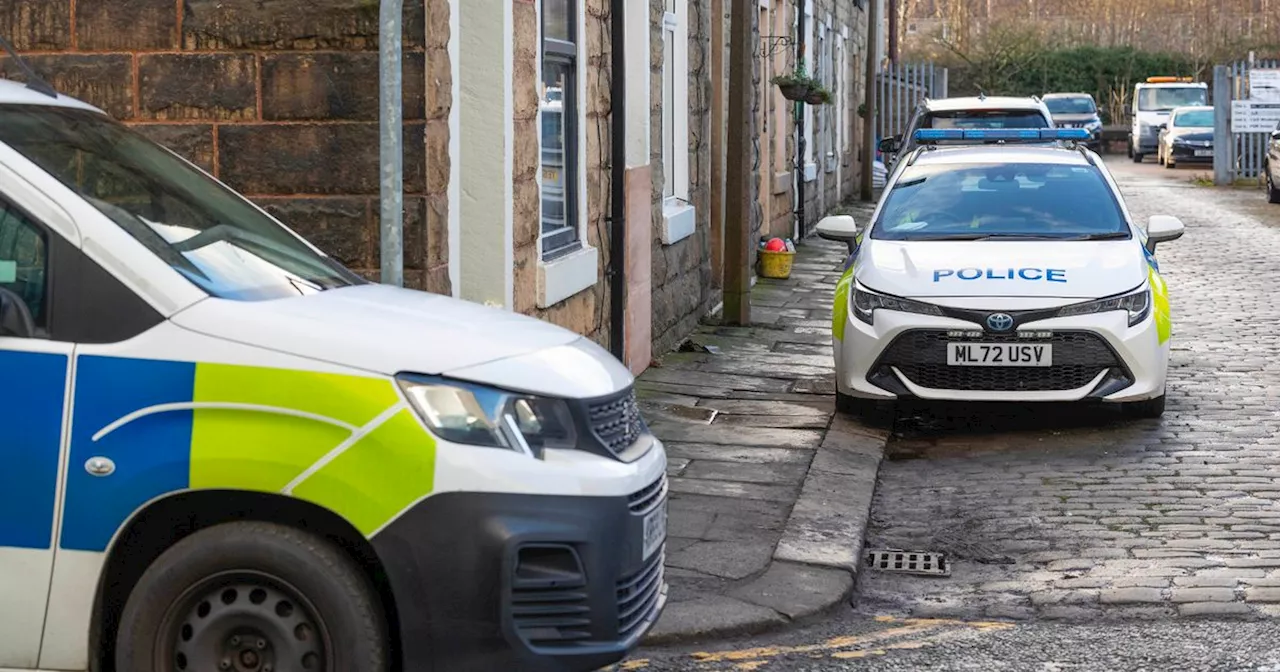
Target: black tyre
{"points": [[1151, 408], [252, 597], [1273, 191], [1137, 158]]}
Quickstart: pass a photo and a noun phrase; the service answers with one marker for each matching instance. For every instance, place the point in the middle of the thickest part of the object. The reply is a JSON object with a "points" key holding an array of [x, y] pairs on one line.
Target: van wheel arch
{"points": [[166, 521]]}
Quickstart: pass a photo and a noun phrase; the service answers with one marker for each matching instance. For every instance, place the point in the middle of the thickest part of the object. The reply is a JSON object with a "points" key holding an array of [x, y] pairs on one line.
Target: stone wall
{"points": [[682, 285], [586, 312], [278, 99]]}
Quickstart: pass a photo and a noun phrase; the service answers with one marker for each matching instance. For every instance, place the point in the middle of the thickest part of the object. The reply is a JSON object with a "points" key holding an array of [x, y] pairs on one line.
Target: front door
{"points": [[33, 392]]}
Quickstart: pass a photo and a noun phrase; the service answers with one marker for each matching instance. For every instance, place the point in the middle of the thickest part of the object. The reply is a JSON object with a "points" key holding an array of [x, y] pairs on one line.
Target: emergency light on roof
{"points": [[1165, 79], [1007, 135]]}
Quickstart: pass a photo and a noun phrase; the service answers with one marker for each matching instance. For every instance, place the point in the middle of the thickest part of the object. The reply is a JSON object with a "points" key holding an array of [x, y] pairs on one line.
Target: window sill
{"points": [[810, 172], [678, 222], [565, 276]]}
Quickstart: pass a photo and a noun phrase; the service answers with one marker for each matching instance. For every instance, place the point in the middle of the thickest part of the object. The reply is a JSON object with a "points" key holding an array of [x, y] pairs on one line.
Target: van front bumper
{"points": [[493, 581]]}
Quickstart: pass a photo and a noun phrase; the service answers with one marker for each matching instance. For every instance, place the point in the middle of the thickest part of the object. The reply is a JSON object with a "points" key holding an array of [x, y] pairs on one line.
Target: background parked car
{"points": [[1187, 137], [1076, 110], [1271, 167]]}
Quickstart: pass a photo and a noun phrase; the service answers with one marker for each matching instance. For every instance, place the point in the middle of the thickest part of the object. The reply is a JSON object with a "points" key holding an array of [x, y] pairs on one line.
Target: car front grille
{"points": [[639, 596], [616, 422], [921, 356]]}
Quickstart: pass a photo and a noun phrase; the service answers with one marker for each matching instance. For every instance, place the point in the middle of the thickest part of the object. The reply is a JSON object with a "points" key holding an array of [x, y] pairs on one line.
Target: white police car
{"points": [[1005, 272]]}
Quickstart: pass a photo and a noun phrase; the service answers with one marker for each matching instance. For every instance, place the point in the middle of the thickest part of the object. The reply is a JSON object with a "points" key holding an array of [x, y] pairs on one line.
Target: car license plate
{"points": [[999, 354], [655, 529], [1204, 152]]}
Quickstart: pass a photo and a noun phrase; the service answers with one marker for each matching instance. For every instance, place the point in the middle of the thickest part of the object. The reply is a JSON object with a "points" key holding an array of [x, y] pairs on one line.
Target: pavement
{"points": [[770, 493]]}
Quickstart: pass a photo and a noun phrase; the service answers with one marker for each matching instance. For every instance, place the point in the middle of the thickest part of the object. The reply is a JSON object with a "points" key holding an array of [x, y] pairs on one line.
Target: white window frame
{"points": [[679, 219], [577, 270], [810, 165]]}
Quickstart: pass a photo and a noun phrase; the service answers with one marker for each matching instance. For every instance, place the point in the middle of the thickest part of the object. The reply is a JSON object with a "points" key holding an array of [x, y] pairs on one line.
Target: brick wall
{"points": [[278, 99]]}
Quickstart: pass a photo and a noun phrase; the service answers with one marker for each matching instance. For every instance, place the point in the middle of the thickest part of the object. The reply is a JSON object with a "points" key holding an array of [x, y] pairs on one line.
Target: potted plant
{"points": [[818, 95], [797, 85]]}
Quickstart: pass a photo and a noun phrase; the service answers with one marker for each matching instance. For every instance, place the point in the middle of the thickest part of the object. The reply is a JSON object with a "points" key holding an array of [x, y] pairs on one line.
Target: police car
{"points": [[1002, 272], [221, 450]]}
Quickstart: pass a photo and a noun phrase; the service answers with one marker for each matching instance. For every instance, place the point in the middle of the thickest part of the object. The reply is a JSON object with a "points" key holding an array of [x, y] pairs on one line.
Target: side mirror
{"points": [[1162, 229], [15, 316], [889, 145], [1275, 135], [840, 228]]}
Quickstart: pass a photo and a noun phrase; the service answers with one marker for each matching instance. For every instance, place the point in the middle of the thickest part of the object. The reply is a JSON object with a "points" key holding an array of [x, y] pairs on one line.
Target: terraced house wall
{"points": [[279, 100]]}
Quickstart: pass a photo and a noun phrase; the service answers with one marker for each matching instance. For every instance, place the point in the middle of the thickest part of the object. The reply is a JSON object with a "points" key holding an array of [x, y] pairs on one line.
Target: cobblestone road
{"points": [[1058, 513]]}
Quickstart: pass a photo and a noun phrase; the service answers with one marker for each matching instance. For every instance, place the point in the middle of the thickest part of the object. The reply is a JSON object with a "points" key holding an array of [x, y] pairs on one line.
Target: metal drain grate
{"points": [[909, 562]]}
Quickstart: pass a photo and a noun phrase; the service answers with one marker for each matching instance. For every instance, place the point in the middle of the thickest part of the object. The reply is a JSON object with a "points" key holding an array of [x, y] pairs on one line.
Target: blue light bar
{"points": [[930, 135]]}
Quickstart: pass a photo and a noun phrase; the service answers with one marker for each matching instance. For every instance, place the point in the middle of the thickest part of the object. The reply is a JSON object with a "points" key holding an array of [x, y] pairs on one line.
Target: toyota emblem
{"points": [[999, 322]]}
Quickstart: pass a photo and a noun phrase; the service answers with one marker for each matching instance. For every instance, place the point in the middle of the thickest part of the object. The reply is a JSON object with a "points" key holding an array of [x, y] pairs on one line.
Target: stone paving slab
{"points": [[770, 492]]}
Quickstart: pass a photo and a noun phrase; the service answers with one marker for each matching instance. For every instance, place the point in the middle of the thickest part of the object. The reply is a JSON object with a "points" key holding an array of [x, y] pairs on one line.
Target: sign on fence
{"points": [[1264, 86], [1251, 116]]}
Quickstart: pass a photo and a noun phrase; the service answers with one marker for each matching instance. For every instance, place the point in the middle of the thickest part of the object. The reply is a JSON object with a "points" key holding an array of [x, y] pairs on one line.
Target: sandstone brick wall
{"points": [[279, 99], [586, 312], [682, 287]]}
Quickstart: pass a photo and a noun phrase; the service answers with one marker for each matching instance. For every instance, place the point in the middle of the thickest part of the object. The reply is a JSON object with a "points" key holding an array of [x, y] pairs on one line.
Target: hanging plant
{"points": [[818, 95], [797, 85]]}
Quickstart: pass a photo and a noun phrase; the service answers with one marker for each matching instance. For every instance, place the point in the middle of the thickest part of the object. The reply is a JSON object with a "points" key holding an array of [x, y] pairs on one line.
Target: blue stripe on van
{"points": [[152, 454], [32, 394]]}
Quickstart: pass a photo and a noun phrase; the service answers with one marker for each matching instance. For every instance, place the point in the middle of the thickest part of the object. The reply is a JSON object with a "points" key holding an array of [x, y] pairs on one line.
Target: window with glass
{"points": [[675, 103], [23, 261], [986, 119], [1028, 201], [1071, 105], [1166, 98], [559, 111], [206, 232], [1194, 119]]}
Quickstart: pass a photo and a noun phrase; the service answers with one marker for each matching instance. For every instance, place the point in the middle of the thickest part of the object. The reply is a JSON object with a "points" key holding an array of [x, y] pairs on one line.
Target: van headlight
{"points": [[866, 302], [479, 415], [1136, 303]]}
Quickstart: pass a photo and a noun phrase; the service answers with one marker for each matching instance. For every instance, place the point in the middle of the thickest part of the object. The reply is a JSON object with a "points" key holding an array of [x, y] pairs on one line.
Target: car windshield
{"points": [[986, 119], [1166, 98], [1074, 105], [1194, 119], [206, 232], [972, 201]]}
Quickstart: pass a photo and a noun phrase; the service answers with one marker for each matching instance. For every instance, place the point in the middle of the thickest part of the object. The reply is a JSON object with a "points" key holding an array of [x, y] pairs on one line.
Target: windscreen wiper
{"points": [[1110, 235]]}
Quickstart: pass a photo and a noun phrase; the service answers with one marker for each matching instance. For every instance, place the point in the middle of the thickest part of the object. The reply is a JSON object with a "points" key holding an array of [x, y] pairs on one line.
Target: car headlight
{"points": [[478, 415], [1094, 126], [1138, 305], [866, 302]]}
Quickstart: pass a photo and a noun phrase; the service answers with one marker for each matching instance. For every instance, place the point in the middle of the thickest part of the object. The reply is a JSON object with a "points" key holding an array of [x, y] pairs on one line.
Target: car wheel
{"points": [[1273, 192], [252, 596], [1150, 408], [1129, 149], [1137, 158]]}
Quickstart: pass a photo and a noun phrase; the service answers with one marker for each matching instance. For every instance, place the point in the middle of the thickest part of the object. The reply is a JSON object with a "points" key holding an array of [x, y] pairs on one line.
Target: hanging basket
{"points": [[815, 97], [794, 91]]}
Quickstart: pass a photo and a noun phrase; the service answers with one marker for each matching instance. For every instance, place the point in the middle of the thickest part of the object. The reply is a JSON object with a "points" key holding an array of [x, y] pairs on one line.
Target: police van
{"points": [[222, 450], [1001, 265]]}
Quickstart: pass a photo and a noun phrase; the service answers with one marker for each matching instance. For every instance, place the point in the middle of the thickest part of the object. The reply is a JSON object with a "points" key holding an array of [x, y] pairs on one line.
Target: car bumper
{"points": [[501, 581], [1099, 357], [1182, 154]]}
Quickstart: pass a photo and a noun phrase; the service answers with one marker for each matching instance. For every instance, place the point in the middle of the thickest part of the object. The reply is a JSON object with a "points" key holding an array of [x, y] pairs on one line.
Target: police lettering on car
{"points": [[1001, 266]]}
